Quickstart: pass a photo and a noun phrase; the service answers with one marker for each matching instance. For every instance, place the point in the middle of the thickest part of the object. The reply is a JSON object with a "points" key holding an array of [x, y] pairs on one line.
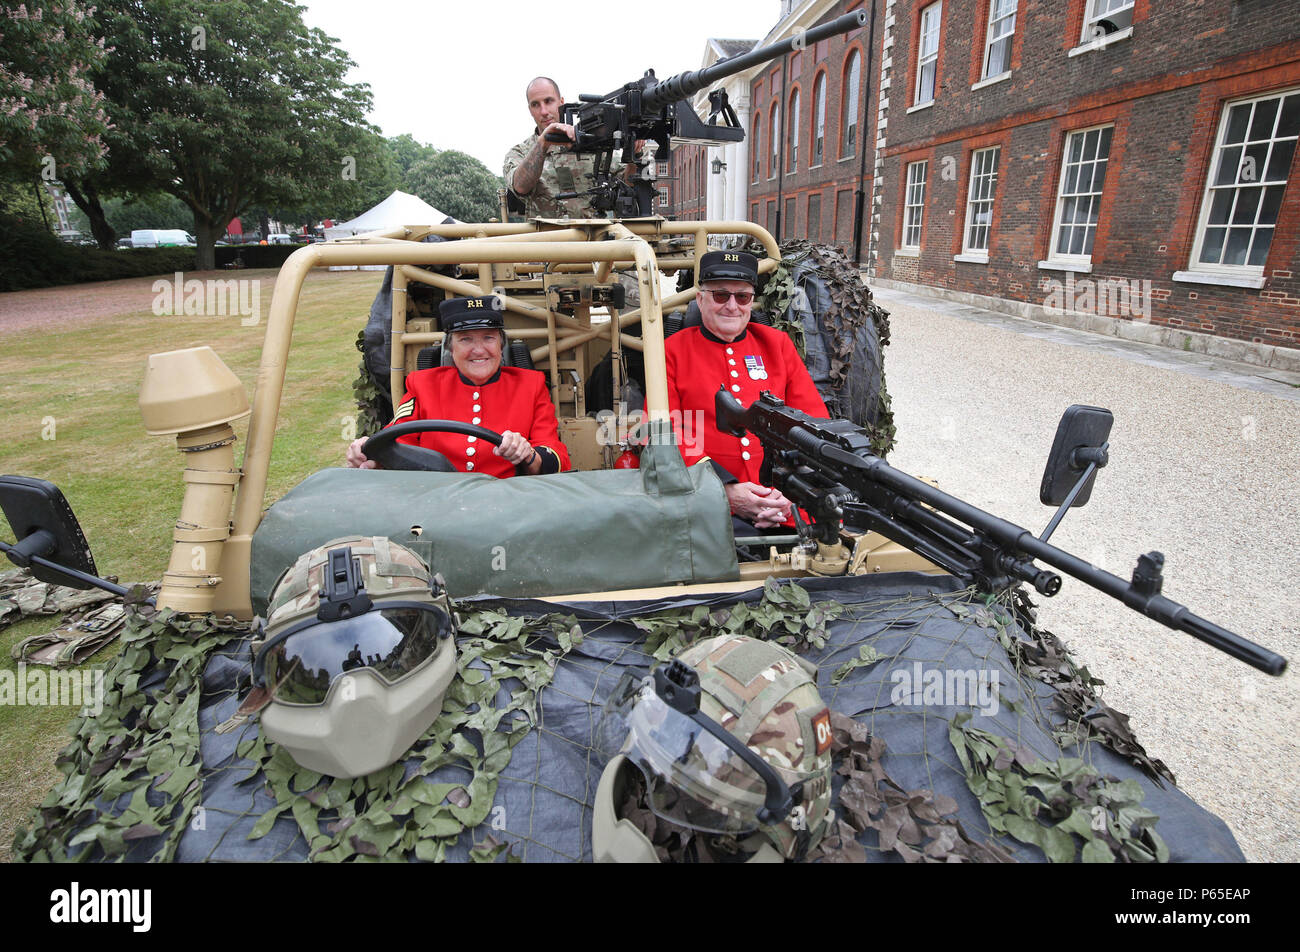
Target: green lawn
{"points": [[69, 414]]}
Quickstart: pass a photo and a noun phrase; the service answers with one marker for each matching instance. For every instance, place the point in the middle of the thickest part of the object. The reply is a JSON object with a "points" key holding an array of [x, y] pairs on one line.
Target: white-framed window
{"points": [[819, 120], [792, 156], [997, 41], [758, 147], [663, 198], [1248, 175], [927, 57], [1078, 197], [979, 200], [848, 142], [1104, 17], [914, 204], [774, 141], [662, 169]]}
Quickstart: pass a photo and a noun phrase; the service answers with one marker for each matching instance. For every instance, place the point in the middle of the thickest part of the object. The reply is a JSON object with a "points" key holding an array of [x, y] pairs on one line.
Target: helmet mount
{"points": [[345, 592]]}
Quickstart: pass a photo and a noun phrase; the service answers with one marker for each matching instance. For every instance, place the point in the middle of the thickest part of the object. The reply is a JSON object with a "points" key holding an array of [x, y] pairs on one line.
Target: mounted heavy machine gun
{"points": [[826, 467], [650, 109]]}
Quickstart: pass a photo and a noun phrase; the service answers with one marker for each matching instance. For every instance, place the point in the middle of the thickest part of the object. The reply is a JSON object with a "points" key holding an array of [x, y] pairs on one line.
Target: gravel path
{"points": [[1203, 467]]}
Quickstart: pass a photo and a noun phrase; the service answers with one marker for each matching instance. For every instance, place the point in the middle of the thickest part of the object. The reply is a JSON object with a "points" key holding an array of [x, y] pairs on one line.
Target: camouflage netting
{"points": [[961, 734], [818, 297]]}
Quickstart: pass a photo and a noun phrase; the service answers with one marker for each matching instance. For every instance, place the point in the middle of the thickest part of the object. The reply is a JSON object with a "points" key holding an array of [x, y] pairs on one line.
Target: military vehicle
{"points": [[961, 729]]}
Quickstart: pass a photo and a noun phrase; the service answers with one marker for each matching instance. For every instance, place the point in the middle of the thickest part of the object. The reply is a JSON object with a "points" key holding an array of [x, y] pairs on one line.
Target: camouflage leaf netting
{"points": [[374, 409], [818, 297], [949, 746]]}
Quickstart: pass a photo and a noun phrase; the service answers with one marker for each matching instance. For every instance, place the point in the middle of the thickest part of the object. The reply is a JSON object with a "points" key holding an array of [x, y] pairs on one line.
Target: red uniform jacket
{"points": [[514, 399], [763, 358]]}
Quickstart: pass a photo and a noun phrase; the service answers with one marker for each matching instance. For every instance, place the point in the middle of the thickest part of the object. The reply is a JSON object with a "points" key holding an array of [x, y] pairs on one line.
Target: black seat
{"points": [[428, 357], [518, 355]]}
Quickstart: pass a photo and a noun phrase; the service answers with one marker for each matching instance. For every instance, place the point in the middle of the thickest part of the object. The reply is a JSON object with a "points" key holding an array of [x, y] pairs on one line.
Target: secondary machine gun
{"points": [[826, 467], [651, 109]]}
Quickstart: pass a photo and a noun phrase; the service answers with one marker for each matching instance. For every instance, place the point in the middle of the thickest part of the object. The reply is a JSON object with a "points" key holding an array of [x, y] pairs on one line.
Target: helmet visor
{"points": [[693, 778], [390, 642]]}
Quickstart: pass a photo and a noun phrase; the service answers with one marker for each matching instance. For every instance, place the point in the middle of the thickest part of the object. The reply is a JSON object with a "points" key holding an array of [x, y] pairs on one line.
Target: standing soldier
{"points": [[536, 171]]}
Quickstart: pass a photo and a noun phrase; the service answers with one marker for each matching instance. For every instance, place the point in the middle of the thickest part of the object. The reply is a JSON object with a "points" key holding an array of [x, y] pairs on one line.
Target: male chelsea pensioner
{"points": [[478, 389], [727, 350]]}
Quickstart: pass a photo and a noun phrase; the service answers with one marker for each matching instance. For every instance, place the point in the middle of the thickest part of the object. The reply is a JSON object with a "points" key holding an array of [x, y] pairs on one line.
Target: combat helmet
{"points": [[359, 651], [733, 740]]}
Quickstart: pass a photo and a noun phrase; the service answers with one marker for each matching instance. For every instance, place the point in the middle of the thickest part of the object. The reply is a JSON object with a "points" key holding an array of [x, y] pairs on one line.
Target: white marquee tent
{"points": [[398, 209]]}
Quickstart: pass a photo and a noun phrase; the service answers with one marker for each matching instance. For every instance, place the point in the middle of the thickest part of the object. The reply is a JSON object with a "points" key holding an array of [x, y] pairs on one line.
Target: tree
{"points": [[457, 184], [406, 152], [159, 210], [227, 106], [52, 118], [376, 177]]}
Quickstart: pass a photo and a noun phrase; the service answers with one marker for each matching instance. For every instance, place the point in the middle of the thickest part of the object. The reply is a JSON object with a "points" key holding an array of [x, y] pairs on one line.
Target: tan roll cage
{"points": [[523, 263]]}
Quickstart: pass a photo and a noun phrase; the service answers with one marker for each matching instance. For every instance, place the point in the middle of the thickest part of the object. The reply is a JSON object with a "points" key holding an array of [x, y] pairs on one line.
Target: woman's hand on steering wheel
{"points": [[357, 458], [515, 449]]}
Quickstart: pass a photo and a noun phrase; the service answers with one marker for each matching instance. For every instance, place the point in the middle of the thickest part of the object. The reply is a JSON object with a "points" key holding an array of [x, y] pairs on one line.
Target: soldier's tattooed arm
{"points": [[530, 169]]}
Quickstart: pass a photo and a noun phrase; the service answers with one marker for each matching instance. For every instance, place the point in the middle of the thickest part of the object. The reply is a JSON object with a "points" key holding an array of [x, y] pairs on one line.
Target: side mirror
{"points": [[1079, 450], [45, 531], [1080, 440]]}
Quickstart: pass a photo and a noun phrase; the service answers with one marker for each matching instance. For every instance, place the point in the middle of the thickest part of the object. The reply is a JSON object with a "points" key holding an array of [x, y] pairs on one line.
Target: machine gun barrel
{"points": [[838, 453], [685, 85]]}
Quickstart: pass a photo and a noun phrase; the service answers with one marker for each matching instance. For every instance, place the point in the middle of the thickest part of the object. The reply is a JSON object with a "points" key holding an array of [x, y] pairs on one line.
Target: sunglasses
{"points": [[721, 297]]}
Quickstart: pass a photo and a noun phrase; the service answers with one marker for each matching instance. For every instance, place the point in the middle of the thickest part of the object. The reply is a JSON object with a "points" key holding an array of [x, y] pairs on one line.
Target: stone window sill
{"points": [[919, 106], [907, 252], [991, 80], [1227, 280], [971, 258], [1078, 267], [1102, 42]]}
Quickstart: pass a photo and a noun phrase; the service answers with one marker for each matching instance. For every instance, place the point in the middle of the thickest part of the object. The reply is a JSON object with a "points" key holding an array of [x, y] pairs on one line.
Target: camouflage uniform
{"points": [[22, 595], [562, 171]]}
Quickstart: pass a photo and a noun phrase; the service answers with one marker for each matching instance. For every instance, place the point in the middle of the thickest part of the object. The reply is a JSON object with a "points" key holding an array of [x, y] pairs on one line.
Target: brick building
{"points": [[804, 169], [1120, 165], [810, 162]]}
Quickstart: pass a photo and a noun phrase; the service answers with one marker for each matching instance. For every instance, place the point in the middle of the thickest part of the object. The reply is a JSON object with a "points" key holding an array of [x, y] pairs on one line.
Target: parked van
{"points": [[162, 238], [282, 239]]}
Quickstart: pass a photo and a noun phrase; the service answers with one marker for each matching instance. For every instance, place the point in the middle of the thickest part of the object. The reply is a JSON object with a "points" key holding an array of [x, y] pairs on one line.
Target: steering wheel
{"points": [[384, 449]]}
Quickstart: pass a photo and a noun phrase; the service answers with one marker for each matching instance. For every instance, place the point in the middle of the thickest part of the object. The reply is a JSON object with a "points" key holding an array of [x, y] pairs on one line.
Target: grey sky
{"points": [[452, 74]]}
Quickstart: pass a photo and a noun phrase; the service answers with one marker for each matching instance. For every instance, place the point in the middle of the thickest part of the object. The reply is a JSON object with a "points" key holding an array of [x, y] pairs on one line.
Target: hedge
{"points": [[31, 257]]}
